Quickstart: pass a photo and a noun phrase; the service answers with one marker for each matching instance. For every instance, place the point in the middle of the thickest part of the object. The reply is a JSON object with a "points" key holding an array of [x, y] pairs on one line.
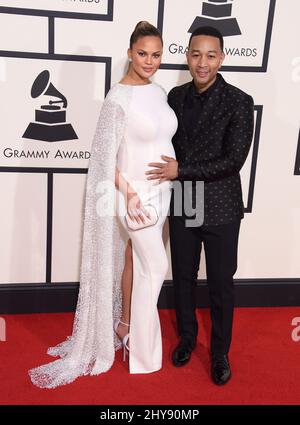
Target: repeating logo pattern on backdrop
{"points": [[58, 106], [50, 122], [59, 99], [245, 24]]}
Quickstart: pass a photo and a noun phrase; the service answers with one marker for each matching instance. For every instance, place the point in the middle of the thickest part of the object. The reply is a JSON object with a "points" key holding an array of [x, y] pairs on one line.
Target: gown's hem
{"points": [[135, 372]]}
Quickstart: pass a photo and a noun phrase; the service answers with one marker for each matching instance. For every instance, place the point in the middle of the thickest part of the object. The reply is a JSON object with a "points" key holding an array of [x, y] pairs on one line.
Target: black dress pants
{"points": [[220, 243]]}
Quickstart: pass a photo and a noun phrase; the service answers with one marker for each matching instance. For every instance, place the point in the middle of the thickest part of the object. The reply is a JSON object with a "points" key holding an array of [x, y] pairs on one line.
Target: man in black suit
{"points": [[215, 128]]}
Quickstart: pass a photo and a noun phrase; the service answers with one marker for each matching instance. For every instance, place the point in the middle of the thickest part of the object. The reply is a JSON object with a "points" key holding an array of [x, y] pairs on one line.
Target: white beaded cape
{"points": [[90, 350]]}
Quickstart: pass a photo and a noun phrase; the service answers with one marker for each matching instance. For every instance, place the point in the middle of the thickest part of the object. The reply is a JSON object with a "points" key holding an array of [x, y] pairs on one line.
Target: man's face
{"points": [[204, 58]]}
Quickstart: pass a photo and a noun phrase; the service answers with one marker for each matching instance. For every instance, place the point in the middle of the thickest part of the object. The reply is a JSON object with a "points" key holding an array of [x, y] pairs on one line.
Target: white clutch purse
{"points": [[134, 225]]}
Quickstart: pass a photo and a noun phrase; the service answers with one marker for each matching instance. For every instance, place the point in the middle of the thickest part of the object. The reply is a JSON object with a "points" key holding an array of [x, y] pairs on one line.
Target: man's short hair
{"points": [[211, 31]]}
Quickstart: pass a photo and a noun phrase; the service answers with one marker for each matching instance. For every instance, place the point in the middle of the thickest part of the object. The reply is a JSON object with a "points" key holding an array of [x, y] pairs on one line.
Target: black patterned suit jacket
{"points": [[216, 149]]}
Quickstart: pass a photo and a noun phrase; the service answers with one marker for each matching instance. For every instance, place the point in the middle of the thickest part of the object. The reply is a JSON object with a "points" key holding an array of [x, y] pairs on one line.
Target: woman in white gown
{"points": [[122, 270]]}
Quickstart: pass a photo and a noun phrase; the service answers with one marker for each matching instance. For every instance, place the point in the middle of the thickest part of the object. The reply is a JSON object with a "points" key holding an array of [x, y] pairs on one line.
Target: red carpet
{"points": [[265, 364]]}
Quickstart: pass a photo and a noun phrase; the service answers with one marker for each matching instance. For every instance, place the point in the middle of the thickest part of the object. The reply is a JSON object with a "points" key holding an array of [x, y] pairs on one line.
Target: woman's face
{"points": [[146, 55]]}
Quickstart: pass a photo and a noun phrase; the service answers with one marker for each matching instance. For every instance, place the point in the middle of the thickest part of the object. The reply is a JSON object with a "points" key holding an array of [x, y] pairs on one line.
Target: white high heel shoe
{"points": [[124, 339]]}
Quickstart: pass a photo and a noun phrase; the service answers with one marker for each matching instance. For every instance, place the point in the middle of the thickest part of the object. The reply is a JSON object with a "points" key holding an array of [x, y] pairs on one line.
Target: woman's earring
{"points": [[129, 59]]}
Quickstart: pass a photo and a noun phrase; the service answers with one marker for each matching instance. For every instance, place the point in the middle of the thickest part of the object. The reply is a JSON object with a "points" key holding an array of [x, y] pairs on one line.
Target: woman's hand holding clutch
{"points": [[138, 215]]}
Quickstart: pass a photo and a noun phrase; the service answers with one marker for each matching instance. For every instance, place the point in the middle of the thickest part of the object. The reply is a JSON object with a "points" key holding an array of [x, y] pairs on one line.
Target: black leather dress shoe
{"points": [[220, 369], [182, 353]]}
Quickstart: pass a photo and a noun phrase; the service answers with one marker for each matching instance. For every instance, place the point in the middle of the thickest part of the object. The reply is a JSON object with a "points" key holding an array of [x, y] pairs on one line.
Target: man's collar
{"points": [[194, 91]]}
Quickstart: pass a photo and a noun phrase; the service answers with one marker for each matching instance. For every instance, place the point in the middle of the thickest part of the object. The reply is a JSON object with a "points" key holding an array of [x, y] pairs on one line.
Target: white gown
{"points": [[135, 127], [151, 123]]}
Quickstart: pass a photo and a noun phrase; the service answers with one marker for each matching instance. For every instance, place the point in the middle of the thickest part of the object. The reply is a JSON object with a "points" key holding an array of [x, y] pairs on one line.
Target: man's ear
{"points": [[222, 59], [187, 55]]}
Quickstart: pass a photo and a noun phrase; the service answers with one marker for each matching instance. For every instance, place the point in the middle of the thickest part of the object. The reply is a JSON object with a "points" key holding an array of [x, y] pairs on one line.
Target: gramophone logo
{"points": [[50, 120], [217, 13]]}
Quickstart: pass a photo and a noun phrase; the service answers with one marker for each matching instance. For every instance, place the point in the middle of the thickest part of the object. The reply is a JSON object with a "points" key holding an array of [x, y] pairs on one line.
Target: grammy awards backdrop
{"points": [[59, 58]]}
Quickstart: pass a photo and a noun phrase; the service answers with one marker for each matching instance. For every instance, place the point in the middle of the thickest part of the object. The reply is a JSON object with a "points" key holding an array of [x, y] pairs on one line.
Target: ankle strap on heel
{"points": [[123, 323]]}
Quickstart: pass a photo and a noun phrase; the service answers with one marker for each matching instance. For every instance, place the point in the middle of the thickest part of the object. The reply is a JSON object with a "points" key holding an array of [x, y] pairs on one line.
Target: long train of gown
{"points": [[135, 127]]}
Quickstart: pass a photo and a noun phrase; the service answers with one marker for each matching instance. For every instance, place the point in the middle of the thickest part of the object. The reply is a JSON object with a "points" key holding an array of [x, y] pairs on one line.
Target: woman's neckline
{"points": [[136, 85]]}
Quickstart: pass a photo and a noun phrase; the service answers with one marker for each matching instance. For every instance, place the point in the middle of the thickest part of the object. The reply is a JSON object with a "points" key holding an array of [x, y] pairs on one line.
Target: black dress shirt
{"points": [[194, 103]]}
